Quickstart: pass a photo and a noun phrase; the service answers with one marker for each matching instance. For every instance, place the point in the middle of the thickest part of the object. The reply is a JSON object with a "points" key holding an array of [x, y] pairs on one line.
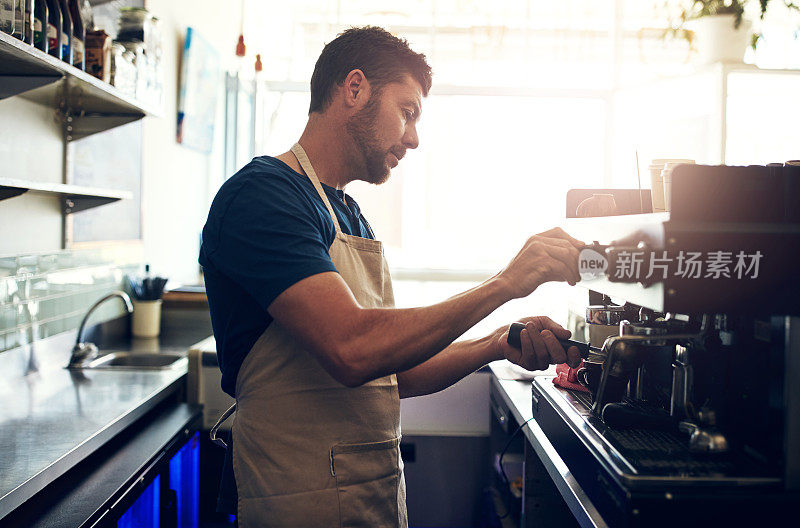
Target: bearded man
{"points": [[308, 339]]}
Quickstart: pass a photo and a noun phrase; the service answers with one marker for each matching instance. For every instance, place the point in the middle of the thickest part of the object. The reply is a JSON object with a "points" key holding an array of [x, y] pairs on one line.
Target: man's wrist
{"points": [[490, 348], [500, 289]]}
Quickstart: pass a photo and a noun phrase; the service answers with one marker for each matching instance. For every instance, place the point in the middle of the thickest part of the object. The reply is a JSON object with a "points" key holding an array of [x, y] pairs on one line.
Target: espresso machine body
{"points": [[694, 416], [653, 472]]}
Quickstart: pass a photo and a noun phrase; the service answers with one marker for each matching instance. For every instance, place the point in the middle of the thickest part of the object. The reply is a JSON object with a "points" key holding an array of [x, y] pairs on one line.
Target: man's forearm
{"points": [[447, 367], [356, 344], [385, 341]]}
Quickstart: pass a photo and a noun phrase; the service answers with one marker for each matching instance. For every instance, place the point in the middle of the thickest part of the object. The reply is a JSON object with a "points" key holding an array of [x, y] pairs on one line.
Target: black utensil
{"points": [[147, 288], [515, 329], [136, 288], [159, 286]]}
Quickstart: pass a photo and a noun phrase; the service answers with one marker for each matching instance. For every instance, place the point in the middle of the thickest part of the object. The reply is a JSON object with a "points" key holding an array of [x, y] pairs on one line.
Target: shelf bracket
{"points": [[73, 198], [17, 84], [81, 126], [74, 204], [10, 192]]}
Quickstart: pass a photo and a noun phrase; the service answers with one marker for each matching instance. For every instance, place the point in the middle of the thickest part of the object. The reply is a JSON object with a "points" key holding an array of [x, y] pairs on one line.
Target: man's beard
{"points": [[363, 128]]}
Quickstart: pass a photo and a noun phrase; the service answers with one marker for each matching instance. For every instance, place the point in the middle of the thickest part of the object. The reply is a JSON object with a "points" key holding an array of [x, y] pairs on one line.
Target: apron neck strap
{"points": [[302, 158]]}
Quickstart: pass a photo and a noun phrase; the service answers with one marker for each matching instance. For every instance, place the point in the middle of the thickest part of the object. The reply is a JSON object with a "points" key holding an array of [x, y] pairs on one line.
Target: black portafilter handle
{"points": [[515, 330]]}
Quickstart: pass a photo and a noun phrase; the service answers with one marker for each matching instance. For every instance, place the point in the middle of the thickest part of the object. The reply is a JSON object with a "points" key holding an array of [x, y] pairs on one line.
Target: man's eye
{"points": [[408, 115]]}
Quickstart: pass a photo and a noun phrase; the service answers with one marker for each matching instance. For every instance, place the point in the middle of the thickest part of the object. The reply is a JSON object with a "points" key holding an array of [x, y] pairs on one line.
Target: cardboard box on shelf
{"points": [[98, 54]]}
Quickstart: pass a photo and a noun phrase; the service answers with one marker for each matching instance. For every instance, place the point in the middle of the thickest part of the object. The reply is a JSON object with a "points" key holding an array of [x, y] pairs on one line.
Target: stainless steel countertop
{"points": [[517, 396], [52, 418]]}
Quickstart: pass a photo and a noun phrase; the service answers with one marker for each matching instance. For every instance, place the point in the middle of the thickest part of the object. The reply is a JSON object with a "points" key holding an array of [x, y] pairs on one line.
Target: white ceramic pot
{"points": [[717, 40]]}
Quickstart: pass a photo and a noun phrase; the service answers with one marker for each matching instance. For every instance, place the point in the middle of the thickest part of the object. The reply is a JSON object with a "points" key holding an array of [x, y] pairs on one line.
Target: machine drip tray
{"points": [[640, 457]]}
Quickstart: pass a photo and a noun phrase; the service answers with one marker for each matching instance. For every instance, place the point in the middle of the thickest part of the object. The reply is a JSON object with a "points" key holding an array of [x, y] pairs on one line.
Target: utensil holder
{"points": [[146, 318]]}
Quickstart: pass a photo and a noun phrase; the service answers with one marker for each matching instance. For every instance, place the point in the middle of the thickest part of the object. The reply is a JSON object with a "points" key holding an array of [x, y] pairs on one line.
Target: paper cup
{"points": [[661, 187], [657, 188], [146, 318]]}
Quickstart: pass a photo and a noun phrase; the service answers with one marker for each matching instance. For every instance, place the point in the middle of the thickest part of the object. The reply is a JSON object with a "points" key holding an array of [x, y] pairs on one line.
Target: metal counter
{"points": [[516, 395], [52, 418]]}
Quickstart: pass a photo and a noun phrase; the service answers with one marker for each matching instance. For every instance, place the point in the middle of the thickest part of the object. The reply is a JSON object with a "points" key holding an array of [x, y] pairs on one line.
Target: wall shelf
{"points": [[38, 77], [74, 198]]}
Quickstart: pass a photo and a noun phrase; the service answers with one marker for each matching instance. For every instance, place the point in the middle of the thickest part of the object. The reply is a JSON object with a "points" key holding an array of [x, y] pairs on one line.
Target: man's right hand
{"points": [[548, 256]]}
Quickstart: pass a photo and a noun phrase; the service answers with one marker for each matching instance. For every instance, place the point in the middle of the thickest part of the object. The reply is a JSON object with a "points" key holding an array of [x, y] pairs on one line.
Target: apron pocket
{"points": [[368, 484]]}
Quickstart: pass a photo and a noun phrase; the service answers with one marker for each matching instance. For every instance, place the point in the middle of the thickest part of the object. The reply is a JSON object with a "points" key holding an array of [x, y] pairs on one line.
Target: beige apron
{"points": [[308, 451]]}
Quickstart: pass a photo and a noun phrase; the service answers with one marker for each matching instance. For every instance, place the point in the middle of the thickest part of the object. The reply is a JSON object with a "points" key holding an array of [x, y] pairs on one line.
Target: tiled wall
{"points": [[44, 294]]}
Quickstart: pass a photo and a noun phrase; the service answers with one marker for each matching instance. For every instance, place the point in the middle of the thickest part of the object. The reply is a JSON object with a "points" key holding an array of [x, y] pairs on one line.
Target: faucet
{"points": [[83, 352]]}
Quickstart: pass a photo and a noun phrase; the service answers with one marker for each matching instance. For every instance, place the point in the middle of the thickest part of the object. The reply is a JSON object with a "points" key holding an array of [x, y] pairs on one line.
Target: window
{"points": [[530, 99]]}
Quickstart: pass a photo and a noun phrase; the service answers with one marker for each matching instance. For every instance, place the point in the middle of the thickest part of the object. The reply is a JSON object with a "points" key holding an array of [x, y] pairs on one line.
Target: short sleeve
{"points": [[265, 235]]}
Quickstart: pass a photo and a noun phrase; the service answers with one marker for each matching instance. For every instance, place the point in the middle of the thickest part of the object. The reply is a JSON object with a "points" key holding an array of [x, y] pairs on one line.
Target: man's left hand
{"points": [[540, 346]]}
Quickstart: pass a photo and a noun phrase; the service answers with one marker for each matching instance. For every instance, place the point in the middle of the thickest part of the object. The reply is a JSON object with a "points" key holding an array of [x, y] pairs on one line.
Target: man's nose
{"points": [[410, 138]]}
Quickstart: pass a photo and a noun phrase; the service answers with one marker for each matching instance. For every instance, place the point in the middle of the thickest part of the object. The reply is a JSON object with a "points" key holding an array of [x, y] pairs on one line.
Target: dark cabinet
{"points": [[523, 494], [184, 483], [146, 508], [165, 495], [147, 476]]}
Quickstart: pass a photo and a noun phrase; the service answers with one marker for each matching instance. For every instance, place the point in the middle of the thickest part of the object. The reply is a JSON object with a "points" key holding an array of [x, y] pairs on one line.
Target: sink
{"points": [[129, 361]]}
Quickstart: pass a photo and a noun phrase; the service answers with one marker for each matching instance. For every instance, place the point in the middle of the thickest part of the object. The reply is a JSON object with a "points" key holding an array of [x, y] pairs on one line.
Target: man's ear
{"points": [[356, 89]]}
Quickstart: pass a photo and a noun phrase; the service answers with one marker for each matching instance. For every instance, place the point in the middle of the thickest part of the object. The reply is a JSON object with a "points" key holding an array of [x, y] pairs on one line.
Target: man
{"points": [[302, 306]]}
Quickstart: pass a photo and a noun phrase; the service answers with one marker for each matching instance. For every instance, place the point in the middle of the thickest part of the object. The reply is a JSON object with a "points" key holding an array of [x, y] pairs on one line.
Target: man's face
{"points": [[386, 126]]}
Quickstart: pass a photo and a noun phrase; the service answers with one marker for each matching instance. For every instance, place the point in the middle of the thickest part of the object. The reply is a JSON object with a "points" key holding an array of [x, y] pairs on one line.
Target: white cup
{"points": [[657, 188], [661, 188], [146, 318]]}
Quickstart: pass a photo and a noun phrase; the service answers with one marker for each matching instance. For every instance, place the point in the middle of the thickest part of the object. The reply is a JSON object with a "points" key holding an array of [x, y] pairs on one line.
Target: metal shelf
{"points": [[92, 104], [74, 198]]}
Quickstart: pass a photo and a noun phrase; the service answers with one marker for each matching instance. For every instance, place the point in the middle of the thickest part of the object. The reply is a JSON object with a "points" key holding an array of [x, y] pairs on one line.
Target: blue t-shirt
{"points": [[267, 229]]}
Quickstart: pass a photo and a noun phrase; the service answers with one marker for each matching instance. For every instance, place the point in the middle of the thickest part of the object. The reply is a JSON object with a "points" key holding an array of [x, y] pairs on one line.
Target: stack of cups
{"points": [[661, 182]]}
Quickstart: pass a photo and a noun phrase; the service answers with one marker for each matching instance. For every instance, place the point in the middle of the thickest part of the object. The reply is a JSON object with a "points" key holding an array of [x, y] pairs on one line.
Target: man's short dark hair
{"points": [[382, 57]]}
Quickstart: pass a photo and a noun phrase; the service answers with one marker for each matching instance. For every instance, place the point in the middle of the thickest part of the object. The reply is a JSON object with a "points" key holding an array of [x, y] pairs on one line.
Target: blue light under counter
{"points": [[146, 511], [184, 479]]}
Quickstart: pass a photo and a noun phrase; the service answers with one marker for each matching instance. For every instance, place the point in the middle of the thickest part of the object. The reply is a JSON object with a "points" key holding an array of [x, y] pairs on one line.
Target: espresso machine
{"points": [[692, 413]]}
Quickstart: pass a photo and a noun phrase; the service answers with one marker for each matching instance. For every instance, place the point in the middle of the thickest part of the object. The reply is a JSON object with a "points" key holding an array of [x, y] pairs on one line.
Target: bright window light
{"points": [[530, 99]]}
